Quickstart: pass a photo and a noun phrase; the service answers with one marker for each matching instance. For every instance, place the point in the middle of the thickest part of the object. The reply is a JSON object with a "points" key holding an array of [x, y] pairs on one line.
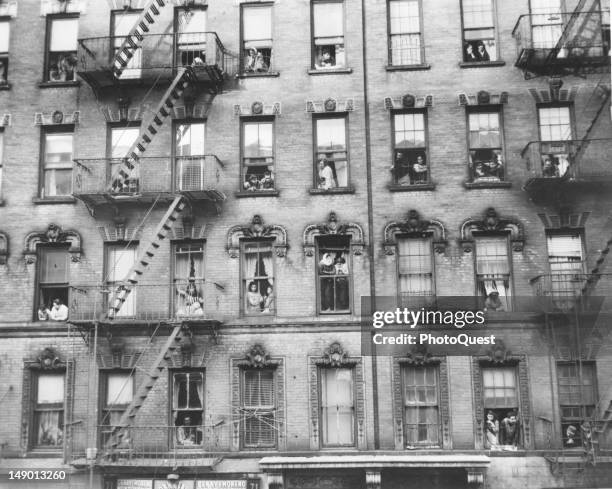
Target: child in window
{"points": [[253, 299], [252, 184]]}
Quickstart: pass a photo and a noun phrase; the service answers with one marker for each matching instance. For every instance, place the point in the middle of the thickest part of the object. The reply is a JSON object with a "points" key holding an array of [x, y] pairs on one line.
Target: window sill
{"points": [[481, 64], [54, 200], [48, 84], [260, 193], [330, 71], [5, 86], [411, 188], [423, 66], [473, 185], [341, 190], [268, 74]]}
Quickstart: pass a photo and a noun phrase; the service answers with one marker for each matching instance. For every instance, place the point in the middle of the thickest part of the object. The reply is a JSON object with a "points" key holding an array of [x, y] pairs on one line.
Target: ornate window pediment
{"points": [[56, 118], [257, 108], [3, 248], [53, 234], [330, 105], [330, 228], [257, 229], [492, 223], [483, 98], [62, 6], [47, 359], [257, 357], [335, 356], [415, 227], [408, 101]]}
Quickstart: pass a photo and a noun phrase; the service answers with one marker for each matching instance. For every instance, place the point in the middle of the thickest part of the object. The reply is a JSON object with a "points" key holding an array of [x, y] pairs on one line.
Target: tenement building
{"points": [[202, 202]]}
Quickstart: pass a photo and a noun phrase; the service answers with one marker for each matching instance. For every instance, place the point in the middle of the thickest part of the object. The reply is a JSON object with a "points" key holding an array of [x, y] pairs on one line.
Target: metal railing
{"points": [[157, 54], [569, 159], [569, 290], [150, 175], [562, 38], [183, 299]]}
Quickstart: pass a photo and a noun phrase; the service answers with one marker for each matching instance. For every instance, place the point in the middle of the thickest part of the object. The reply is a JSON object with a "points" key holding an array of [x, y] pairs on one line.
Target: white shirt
{"points": [[326, 175], [58, 313]]}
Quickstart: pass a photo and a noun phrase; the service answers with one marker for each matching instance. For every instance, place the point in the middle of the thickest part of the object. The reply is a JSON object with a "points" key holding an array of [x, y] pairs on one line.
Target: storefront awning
{"points": [[374, 461]]}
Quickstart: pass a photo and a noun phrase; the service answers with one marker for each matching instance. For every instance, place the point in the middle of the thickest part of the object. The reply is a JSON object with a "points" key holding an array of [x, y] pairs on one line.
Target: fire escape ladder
{"points": [[585, 33], [120, 435], [584, 142], [136, 35]]}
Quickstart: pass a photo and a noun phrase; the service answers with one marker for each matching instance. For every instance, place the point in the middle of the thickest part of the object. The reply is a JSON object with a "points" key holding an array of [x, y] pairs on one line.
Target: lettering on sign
{"points": [[218, 484], [134, 484]]}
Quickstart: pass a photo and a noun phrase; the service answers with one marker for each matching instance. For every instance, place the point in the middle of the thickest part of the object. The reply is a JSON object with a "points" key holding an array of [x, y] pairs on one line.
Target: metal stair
{"points": [[136, 36]]}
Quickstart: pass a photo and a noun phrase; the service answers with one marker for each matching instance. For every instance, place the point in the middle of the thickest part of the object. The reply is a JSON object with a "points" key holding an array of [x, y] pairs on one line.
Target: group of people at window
{"points": [[257, 61], [333, 274], [331, 173], [555, 165], [475, 52], [258, 178], [260, 297], [502, 434], [410, 168], [56, 312]]}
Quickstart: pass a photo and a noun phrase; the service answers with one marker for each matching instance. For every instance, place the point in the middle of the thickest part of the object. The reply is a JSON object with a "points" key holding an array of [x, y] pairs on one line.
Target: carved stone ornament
{"points": [[62, 6], [3, 248], [257, 357], [258, 108], [53, 234], [257, 229], [499, 354], [493, 224], [8, 8], [419, 356], [49, 360], [414, 227], [335, 356], [408, 101], [332, 227], [483, 97], [5, 120], [56, 118], [330, 104]]}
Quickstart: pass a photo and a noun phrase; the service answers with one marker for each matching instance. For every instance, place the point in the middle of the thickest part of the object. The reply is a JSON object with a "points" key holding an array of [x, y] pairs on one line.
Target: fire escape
{"points": [[108, 65], [575, 303]]}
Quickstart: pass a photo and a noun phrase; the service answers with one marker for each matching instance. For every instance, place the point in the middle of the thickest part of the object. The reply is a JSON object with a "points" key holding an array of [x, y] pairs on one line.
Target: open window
{"points": [[486, 152], [61, 52], [493, 273], [189, 278], [190, 166], [56, 161], [577, 401], [501, 404], [258, 155], [405, 33], [410, 165], [191, 36], [479, 36], [331, 152], [121, 139], [48, 411], [256, 37], [556, 132], [53, 282], [334, 274], [257, 278], [328, 34], [188, 408]]}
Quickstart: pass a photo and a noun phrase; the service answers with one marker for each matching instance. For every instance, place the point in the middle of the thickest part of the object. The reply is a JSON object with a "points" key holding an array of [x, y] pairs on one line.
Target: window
{"points": [[410, 149], [190, 160], [493, 276], [555, 129], [189, 278], [61, 48], [57, 161], [405, 41], [257, 38], [415, 272], [500, 406], [191, 41], [257, 155], [258, 406], [421, 405], [337, 407], [546, 23], [122, 23], [188, 408], [5, 29], [577, 399], [334, 274], [53, 278], [331, 153], [486, 162], [479, 44], [121, 140], [48, 419], [119, 261], [328, 35], [257, 278], [117, 394], [566, 261]]}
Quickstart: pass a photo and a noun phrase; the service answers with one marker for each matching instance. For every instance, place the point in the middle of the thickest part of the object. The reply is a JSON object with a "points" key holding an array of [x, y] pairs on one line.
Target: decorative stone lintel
{"points": [[491, 223], [330, 105], [335, 356], [408, 101], [553, 94], [332, 227], [63, 7], [257, 357], [8, 8], [5, 120], [415, 227], [56, 118], [373, 478], [113, 114], [53, 234], [258, 108], [257, 229], [483, 98]]}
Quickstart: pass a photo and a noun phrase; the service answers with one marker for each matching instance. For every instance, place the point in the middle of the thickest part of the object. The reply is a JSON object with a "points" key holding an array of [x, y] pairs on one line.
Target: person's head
{"points": [[494, 295], [253, 178], [191, 288], [571, 431], [57, 302], [268, 174], [269, 290], [511, 416], [187, 420], [490, 416], [252, 52], [326, 55], [481, 47], [420, 159], [252, 287], [340, 260], [469, 48]]}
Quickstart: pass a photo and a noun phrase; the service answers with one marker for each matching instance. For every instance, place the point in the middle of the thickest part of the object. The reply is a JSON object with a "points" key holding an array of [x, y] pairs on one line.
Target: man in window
{"points": [[59, 312]]}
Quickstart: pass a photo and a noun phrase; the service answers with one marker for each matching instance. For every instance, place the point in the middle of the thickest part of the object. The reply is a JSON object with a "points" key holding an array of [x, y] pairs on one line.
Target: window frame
{"points": [[108, 284], [424, 297], [199, 280], [423, 60], [510, 289], [244, 121], [51, 285], [110, 127], [171, 410], [175, 25], [504, 409], [395, 150], [322, 437], [571, 116], [335, 115], [266, 410], [349, 276], [313, 49], [244, 281], [48, 407], [4, 55], [44, 131], [486, 109], [403, 372], [49, 23], [495, 37], [104, 408], [176, 182], [247, 5]]}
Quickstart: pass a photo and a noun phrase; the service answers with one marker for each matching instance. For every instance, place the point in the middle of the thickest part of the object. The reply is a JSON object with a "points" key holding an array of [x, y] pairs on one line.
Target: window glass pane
{"points": [[122, 139], [58, 151], [555, 123], [257, 23], [4, 36], [54, 266], [404, 16], [328, 19], [119, 389], [64, 35], [258, 139], [258, 388], [191, 21], [334, 275], [409, 130], [492, 256], [331, 134], [189, 139], [123, 23], [477, 13], [50, 389]]}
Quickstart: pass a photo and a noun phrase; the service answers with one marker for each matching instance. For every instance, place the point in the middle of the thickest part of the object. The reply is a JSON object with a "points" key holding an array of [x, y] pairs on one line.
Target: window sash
{"points": [[328, 20], [5, 30], [119, 390], [258, 141], [256, 25], [500, 387], [188, 257], [415, 267], [188, 391], [409, 130], [555, 123], [63, 35], [574, 390], [477, 14], [337, 407], [421, 411], [54, 265], [258, 389]]}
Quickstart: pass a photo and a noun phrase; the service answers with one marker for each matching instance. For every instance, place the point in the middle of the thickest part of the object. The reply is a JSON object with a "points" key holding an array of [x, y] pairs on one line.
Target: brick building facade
{"points": [[211, 188]]}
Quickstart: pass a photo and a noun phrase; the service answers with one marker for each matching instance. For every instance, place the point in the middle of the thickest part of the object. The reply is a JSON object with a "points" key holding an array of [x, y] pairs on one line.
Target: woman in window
{"points": [[492, 430], [192, 300], [253, 299], [327, 267], [419, 170], [268, 300]]}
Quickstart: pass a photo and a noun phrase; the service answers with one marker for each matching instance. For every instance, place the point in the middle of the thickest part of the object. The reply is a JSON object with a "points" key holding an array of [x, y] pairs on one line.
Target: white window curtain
{"points": [[50, 389], [119, 389], [566, 265], [120, 261], [415, 267], [337, 406], [493, 267]]}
